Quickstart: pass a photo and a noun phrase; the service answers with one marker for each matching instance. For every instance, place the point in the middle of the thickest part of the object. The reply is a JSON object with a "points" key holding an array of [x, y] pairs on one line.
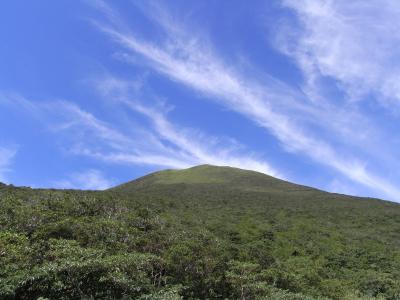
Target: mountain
{"points": [[205, 232], [209, 175]]}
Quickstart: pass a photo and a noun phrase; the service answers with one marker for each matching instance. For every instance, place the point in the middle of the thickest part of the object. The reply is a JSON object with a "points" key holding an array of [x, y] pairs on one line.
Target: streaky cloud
{"points": [[193, 63], [354, 42], [7, 154], [163, 144], [193, 146], [87, 180]]}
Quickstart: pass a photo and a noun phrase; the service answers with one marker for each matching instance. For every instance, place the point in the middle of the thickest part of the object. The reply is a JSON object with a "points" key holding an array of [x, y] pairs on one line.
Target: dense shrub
{"points": [[204, 237]]}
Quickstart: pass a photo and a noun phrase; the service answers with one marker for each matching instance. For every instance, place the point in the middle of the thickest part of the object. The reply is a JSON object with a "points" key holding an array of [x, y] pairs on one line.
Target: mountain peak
{"points": [[206, 174]]}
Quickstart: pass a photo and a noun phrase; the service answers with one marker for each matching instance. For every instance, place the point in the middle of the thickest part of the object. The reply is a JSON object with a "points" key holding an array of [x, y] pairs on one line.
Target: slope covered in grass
{"points": [[202, 233], [209, 175]]}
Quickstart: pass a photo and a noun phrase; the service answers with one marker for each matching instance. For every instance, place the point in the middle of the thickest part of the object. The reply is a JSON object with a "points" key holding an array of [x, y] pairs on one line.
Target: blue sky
{"points": [[96, 93]]}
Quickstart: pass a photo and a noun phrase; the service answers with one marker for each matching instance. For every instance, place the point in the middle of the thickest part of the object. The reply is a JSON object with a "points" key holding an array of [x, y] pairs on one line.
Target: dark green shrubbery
{"points": [[204, 239]]}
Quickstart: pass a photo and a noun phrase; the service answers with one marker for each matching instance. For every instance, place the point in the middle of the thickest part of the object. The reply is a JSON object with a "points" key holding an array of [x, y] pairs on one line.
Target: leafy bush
{"points": [[202, 234]]}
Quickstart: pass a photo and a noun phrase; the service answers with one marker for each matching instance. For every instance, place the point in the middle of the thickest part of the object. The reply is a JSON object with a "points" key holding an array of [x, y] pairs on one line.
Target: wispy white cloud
{"points": [[160, 143], [338, 186], [86, 180], [192, 146], [7, 155], [270, 103], [354, 42]]}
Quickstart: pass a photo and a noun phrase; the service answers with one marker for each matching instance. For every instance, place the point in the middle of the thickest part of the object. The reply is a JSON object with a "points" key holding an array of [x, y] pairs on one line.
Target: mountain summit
{"points": [[210, 175]]}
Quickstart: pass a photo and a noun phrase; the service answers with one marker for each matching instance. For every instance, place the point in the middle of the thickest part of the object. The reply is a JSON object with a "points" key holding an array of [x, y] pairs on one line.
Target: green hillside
{"points": [[202, 233], [211, 175]]}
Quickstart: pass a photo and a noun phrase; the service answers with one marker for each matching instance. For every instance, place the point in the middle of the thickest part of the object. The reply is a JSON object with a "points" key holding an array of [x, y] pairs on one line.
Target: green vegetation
{"points": [[201, 233]]}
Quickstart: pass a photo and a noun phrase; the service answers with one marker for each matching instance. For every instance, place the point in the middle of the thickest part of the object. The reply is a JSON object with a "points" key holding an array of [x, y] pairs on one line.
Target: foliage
{"points": [[201, 233]]}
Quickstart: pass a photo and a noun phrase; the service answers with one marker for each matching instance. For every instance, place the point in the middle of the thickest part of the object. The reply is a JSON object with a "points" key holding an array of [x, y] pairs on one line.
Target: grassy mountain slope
{"points": [[202, 233], [212, 175]]}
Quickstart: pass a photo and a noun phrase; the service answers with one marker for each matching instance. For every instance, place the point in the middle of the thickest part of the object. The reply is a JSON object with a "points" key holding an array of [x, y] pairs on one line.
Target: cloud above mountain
{"points": [[302, 90]]}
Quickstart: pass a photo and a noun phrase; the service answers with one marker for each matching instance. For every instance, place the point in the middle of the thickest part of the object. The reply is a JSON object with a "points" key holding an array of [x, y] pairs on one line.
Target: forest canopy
{"points": [[201, 233]]}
